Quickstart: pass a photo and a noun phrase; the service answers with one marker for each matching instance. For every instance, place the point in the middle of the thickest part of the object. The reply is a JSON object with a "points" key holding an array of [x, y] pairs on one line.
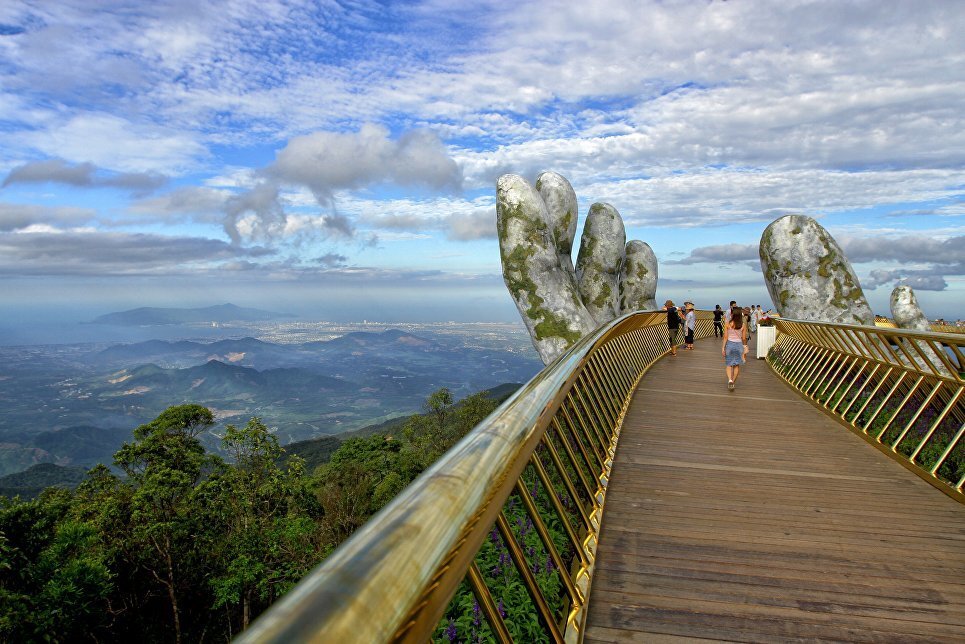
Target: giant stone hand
{"points": [[558, 304]]}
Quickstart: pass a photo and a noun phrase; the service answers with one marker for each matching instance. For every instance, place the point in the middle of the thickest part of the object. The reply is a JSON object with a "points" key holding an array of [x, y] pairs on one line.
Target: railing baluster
{"points": [[938, 421], [864, 385], [916, 415], [489, 608]]}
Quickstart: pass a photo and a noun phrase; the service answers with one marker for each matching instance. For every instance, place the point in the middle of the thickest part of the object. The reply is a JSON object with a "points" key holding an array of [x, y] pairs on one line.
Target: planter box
{"points": [[766, 336]]}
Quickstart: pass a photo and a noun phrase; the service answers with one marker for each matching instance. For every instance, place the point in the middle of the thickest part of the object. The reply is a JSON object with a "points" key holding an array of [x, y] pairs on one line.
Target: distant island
{"points": [[221, 313]]}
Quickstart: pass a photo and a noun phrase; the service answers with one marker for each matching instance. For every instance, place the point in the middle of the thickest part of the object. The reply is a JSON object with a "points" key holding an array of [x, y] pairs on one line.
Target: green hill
{"points": [[34, 480], [317, 451]]}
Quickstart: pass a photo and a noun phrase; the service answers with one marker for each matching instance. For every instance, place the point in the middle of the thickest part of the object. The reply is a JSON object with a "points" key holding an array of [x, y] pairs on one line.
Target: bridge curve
{"points": [[753, 516], [741, 527]]}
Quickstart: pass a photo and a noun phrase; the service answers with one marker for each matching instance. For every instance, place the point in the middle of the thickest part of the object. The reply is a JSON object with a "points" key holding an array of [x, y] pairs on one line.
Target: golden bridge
{"points": [[625, 495]]}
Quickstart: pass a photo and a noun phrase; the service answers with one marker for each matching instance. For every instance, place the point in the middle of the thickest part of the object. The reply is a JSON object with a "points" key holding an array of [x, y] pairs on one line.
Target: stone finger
{"points": [[638, 279], [600, 260], [562, 210], [807, 274]]}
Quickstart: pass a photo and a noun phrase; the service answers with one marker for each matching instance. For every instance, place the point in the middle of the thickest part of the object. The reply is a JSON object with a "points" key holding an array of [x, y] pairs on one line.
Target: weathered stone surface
{"points": [[808, 276], [638, 279], [545, 293], [600, 260], [905, 310], [908, 315], [563, 211]]}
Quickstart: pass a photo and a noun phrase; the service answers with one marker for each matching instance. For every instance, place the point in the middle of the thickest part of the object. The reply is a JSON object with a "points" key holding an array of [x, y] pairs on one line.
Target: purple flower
{"points": [[475, 613], [452, 633], [499, 607], [550, 566]]}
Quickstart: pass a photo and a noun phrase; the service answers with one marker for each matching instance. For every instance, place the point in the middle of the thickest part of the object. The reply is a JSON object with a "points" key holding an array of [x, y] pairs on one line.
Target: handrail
{"points": [[901, 390], [529, 481]]}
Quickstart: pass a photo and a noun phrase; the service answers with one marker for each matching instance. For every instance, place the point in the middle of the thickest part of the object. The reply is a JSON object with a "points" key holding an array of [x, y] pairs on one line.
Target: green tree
{"points": [[53, 579], [271, 538], [165, 465]]}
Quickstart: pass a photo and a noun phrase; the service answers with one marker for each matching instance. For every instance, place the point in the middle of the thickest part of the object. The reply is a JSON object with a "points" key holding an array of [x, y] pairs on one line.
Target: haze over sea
{"points": [[338, 160]]}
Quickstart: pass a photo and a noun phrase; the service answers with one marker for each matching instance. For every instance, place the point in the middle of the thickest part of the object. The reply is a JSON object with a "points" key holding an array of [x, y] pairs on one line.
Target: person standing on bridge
{"points": [[729, 312], [734, 346], [673, 325], [718, 324], [690, 321]]}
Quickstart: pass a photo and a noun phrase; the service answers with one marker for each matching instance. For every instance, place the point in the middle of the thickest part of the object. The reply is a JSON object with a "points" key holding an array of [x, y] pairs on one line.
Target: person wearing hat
{"points": [[690, 321]]}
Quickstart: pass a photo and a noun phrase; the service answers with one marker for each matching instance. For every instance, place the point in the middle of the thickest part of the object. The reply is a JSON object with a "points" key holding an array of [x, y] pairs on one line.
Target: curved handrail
{"points": [[393, 579], [902, 390]]}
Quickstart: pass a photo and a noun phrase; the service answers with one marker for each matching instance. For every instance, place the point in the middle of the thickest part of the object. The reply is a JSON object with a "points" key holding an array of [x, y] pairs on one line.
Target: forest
{"points": [[179, 544]]}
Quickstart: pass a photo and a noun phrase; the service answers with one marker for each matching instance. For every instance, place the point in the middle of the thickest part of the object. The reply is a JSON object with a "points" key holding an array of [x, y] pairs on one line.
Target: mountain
{"points": [[216, 380], [222, 313], [83, 444], [248, 352], [34, 480], [316, 451]]}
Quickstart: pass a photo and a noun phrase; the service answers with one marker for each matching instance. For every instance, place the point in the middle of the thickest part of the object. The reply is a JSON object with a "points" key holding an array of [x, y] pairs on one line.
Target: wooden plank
{"points": [[751, 515]]}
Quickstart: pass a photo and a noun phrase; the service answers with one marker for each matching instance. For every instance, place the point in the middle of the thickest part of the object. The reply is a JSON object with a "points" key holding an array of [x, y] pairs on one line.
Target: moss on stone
{"points": [[587, 247], [563, 243], [554, 326], [766, 237], [784, 296], [603, 296], [826, 264]]}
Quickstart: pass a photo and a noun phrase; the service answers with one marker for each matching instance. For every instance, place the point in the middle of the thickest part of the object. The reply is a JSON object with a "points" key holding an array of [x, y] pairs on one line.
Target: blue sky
{"points": [[339, 159]]}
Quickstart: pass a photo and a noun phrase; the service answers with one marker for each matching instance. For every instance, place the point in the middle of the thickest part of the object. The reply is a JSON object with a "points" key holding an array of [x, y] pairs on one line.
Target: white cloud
{"points": [[329, 161], [117, 143]]}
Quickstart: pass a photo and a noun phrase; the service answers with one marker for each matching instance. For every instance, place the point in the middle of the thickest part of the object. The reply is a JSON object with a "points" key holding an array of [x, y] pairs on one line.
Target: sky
{"points": [[339, 159]]}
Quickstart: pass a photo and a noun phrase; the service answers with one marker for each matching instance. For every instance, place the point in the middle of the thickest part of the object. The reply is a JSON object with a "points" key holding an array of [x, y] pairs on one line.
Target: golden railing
{"points": [[498, 537], [901, 390]]}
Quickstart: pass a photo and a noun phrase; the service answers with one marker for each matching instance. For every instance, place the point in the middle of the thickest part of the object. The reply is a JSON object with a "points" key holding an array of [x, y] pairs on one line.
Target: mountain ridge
{"points": [[157, 316]]}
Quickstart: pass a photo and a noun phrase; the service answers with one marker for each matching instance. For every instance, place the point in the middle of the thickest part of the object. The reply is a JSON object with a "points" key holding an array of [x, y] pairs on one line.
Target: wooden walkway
{"points": [[751, 516]]}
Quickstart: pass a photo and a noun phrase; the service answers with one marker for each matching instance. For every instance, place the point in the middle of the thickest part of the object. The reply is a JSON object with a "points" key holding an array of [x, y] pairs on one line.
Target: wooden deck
{"points": [[751, 516]]}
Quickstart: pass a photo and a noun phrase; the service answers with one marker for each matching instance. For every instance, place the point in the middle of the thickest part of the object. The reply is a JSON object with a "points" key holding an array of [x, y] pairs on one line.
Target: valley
{"points": [[74, 405]]}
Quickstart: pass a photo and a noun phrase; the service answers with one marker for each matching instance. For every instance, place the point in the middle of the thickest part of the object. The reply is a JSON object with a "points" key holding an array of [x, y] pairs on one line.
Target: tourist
{"points": [[690, 322], [734, 347], [718, 325], [673, 325], [727, 313]]}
